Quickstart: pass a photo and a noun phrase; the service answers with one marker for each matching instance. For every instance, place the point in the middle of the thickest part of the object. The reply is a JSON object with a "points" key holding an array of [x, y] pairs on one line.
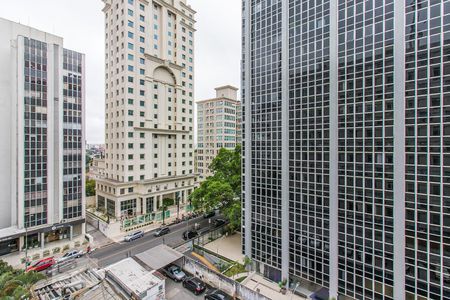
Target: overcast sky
{"points": [[80, 23]]}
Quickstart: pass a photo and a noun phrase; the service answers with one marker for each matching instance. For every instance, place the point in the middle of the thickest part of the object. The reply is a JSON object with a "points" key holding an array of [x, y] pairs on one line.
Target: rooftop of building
{"points": [[133, 276], [227, 87], [226, 92]]}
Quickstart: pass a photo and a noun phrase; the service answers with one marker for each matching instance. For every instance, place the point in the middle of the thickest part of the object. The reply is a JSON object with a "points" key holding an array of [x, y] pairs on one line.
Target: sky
{"points": [[81, 24]]}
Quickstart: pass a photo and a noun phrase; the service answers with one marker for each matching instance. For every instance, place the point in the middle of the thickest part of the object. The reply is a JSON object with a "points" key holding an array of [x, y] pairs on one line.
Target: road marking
{"points": [[130, 249], [186, 226]]}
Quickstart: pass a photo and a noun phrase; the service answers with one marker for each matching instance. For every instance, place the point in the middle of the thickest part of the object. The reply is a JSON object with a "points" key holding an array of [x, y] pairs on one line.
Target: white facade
{"points": [[218, 123], [97, 168], [34, 97], [149, 106]]}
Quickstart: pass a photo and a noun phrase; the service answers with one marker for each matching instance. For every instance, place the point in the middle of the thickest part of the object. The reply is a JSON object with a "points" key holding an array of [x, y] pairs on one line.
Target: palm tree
{"points": [[166, 203], [16, 283]]}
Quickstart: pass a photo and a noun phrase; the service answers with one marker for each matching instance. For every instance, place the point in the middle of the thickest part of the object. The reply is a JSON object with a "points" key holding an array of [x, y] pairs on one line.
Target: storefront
{"points": [[57, 235], [9, 246], [32, 241], [19, 240]]}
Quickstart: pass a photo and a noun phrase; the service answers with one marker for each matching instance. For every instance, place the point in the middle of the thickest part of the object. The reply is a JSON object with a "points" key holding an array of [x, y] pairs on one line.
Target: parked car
{"points": [[219, 222], [133, 236], [174, 272], [195, 285], [41, 265], [70, 255], [209, 214], [189, 234], [217, 295], [162, 231]]}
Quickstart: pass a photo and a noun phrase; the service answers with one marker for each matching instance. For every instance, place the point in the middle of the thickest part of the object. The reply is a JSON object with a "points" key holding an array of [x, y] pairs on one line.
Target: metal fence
{"points": [[144, 219]]}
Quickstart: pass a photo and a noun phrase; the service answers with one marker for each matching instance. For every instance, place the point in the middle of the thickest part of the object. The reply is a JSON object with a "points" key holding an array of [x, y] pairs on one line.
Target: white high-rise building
{"points": [[42, 154], [149, 72], [218, 123]]}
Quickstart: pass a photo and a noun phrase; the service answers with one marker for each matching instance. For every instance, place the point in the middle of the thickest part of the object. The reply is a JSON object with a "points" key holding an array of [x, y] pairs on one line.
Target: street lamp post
{"points": [[26, 247], [178, 206]]}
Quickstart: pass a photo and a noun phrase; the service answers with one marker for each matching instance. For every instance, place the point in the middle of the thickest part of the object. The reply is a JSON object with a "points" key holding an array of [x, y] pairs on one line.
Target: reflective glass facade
{"points": [[427, 147], [309, 122], [72, 133], [265, 94], [44, 138], [366, 172], [35, 133], [368, 83]]}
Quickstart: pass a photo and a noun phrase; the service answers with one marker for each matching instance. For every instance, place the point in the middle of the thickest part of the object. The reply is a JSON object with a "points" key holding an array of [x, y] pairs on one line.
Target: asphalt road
{"points": [[115, 252]]}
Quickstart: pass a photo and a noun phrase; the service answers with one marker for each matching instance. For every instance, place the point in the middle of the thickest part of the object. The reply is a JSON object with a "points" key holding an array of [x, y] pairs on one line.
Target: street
{"points": [[118, 251]]}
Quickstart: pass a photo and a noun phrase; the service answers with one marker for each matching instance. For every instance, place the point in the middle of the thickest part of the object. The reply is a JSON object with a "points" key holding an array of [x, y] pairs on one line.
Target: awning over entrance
{"points": [[159, 257]]}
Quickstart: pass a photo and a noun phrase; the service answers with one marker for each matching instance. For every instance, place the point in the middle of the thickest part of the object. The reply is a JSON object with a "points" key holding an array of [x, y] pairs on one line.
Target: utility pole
{"points": [[26, 247]]}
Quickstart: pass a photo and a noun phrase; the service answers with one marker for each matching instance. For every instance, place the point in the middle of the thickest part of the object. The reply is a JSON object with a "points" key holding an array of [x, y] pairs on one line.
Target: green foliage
{"points": [[168, 202], [223, 189], [282, 283], [234, 270], [16, 284], [247, 262], [90, 187], [226, 166]]}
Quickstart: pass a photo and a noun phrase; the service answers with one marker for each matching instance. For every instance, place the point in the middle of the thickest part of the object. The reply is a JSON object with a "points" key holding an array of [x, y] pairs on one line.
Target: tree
{"points": [[226, 166], [214, 194], [90, 187], [165, 204], [222, 190], [16, 284]]}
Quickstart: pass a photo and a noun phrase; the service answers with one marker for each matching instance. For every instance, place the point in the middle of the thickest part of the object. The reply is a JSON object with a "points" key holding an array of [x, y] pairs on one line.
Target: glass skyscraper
{"points": [[346, 124]]}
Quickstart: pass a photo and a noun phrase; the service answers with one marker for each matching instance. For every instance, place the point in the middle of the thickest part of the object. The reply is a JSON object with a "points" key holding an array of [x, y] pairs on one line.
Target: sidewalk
{"points": [[228, 246], [119, 238], [15, 259], [100, 240]]}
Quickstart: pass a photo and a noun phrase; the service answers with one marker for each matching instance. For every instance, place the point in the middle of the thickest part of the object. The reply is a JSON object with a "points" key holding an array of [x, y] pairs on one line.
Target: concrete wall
{"points": [[220, 281], [7, 128]]}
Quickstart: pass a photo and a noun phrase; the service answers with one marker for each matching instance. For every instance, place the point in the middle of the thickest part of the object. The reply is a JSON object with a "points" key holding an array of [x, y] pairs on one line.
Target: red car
{"points": [[42, 264]]}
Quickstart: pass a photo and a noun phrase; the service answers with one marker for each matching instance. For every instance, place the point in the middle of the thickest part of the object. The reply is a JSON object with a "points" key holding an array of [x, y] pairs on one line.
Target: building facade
{"points": [[218, 123], [42, 124], [346, 176], [97, 168], [149, 72]]}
